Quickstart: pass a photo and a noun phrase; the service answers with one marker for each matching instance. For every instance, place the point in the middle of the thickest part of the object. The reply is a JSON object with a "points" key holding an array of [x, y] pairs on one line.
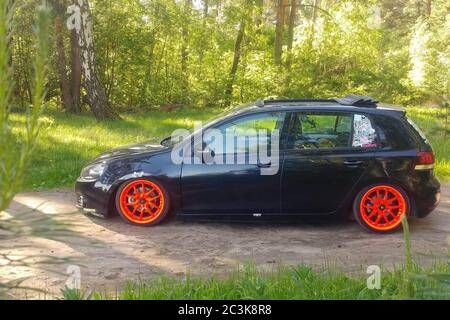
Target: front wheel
{"points": [[142, 202], [381, 207]]}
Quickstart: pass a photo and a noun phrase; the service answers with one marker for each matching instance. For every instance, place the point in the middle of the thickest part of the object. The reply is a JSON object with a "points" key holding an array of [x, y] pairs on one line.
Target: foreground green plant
{"points": [[299, 282], [15, 151]]}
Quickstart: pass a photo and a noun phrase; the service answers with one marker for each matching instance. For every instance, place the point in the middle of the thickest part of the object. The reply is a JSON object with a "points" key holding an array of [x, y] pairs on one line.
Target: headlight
{"points": [[92, 172]]}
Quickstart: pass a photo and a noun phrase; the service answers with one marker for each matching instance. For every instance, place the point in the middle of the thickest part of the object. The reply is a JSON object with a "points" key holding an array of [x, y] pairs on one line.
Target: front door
{"points": [[229, 185]]}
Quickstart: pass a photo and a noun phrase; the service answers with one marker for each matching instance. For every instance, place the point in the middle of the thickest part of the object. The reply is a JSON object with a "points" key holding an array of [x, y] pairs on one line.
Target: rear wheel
{"points": [[381, 207], [142, 202]]}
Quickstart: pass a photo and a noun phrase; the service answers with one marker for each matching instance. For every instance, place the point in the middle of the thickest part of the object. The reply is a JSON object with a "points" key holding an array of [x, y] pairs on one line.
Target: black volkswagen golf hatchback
{"points": [[274, 159]]}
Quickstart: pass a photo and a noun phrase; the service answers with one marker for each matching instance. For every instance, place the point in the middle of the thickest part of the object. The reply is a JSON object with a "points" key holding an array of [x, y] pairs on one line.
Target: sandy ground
{"points": [[56, 236]]}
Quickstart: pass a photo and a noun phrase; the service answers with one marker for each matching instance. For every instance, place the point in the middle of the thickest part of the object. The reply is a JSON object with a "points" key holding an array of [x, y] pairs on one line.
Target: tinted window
{"points": [[392, 133], [320, 130], [244, 134]]}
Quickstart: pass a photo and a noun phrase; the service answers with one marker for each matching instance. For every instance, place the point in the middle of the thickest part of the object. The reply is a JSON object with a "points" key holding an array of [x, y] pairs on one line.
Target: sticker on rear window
{"points": [[364, 134]]}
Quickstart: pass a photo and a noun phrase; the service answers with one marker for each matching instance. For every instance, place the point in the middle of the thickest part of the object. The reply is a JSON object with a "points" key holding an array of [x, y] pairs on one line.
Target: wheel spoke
{"points": [[152, 199], [372, 214], [377, 220]]}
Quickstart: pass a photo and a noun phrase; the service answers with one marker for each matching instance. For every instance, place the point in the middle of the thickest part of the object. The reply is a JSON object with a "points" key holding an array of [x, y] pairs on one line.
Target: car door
{"points": [[326, 154], [231, 186]]}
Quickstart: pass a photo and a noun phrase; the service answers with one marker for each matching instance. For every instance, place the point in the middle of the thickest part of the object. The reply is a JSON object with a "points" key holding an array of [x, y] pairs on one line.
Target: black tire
{"points": [[358, 214], [158, 219]]}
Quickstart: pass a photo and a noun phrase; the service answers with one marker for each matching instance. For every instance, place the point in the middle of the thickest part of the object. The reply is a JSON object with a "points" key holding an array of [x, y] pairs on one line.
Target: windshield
{"points": [[227, 112]]}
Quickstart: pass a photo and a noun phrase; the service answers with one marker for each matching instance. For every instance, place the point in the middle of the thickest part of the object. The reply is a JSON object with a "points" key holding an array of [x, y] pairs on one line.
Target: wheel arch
{"points": [[112, 210], [363, 184]]}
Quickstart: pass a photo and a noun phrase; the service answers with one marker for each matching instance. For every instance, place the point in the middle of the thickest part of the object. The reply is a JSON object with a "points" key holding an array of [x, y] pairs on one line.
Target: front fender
{"points": [[157, 167]]}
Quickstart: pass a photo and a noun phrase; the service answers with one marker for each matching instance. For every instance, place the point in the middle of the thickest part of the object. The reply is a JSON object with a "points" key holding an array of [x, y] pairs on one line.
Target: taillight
{"points": [[424, 161]]}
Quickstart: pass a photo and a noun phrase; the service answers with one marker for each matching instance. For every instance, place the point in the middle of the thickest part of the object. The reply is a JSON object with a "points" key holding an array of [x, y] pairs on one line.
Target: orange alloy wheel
{"points": [[382, 208], [141, 201]]}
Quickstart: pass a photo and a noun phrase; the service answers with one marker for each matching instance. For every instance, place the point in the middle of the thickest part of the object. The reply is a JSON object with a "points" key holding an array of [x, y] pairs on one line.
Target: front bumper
{"points": [[91, 198]]}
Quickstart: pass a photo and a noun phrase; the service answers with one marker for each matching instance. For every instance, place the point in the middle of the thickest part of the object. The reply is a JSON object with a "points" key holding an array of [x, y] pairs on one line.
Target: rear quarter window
{"points": [[393, 133]]}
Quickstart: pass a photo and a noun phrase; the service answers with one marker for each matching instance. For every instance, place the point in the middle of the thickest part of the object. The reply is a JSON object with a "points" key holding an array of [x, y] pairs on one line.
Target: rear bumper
{"points": [[91, 198], [426, 198]]}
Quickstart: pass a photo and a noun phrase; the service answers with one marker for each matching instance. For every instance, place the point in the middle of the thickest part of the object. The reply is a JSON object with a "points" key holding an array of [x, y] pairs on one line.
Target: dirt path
{"points": [[110, 251]]}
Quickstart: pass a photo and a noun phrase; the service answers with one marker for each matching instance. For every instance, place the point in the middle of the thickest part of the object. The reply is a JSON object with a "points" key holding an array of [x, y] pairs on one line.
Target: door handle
{"points": [[354, 163]]}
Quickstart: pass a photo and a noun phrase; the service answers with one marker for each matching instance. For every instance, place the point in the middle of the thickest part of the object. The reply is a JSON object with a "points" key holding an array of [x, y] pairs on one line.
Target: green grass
{"points": [[68, 142], [300, 282]]}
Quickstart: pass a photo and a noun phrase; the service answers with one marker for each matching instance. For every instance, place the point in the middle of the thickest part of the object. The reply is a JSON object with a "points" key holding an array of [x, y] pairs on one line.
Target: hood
{"points": [[133, 149]]}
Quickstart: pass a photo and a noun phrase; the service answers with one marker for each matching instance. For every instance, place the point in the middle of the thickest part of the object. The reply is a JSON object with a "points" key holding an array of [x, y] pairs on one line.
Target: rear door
{"points": [[326, 154]]}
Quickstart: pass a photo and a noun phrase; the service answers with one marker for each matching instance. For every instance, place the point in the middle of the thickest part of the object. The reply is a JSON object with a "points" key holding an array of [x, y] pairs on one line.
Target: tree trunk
{"points": [[281, 17], [184, 48], [81, 21], [290, 35], [290, 42], [312, 35], [66, 96], [9, 14], [235, 65], [205, 9], [75, 81]]}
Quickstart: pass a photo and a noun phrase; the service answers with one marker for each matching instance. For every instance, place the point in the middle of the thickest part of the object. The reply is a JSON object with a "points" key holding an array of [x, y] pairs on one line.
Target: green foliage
{"points": [[155, 52], [432, 122], [16, 150]]}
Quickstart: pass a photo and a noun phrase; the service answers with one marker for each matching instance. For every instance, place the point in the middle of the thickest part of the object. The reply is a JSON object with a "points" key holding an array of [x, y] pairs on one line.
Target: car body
{"points": [[335, 157]]}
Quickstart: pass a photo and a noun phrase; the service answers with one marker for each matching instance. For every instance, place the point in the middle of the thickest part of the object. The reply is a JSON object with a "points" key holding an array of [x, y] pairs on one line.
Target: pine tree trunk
{"points": [[81, 21], [66, 96]]}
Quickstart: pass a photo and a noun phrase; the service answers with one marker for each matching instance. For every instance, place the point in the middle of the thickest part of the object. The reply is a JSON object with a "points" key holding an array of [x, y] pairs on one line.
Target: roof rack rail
{"points": [[349, 100]]}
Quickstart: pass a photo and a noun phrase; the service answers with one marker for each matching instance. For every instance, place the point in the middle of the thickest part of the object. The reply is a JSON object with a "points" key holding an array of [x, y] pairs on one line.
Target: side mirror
{"points": [[205, 153]]}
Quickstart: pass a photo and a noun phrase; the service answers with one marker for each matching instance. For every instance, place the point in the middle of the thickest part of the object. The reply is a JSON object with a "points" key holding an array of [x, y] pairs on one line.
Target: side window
{"points": [[320, 130], [364, 133], [245, 134], [392, 133]]}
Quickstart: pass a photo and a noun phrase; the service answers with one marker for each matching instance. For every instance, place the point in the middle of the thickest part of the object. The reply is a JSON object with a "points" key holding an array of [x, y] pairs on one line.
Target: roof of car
{"points": [[350, 103]]}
